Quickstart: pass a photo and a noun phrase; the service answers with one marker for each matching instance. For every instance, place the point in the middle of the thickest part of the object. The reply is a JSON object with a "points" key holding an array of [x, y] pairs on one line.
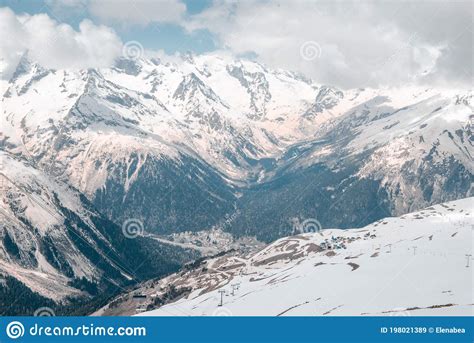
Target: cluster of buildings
{"points": [[340, 242]]}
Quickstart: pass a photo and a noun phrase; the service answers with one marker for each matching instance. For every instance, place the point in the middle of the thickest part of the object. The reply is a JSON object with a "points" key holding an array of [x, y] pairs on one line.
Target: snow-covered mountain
{"points": [[207, 144], [61, 249], [417, 264], [392, 159], [204, 137], [46, 230]]}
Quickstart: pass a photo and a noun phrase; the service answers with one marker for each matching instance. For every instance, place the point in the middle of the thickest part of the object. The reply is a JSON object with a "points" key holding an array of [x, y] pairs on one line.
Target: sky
{"points": [[349, 43]]}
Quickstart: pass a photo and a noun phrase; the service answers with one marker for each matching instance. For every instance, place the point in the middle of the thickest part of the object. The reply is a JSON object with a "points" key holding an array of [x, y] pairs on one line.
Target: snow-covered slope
{"points": [[45, 232], [58, 246], [393, 159], [427, 152], [416, 264]]}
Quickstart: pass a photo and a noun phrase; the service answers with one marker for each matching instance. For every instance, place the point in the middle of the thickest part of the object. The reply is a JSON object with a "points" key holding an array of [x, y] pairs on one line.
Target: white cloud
{"points": [[363, 43], [55, 45]]}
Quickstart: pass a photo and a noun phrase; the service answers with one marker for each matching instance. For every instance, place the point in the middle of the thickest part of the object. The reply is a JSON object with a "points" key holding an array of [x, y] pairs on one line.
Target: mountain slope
{"points": [[375, 270], [391, 160], [58, 246]]}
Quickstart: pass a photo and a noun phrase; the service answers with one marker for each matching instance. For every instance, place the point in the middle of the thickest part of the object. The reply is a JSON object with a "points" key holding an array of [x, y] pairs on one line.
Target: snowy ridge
{"points": [[375, 270], [36, 247], [55, 242], [242, 123], [227, 112]]}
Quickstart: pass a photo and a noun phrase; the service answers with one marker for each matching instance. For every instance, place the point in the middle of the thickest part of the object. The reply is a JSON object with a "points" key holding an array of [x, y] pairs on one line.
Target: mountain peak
{"points": [[188, 56], [192, 86], [128, 66], [26, 66], [327, 98]]}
